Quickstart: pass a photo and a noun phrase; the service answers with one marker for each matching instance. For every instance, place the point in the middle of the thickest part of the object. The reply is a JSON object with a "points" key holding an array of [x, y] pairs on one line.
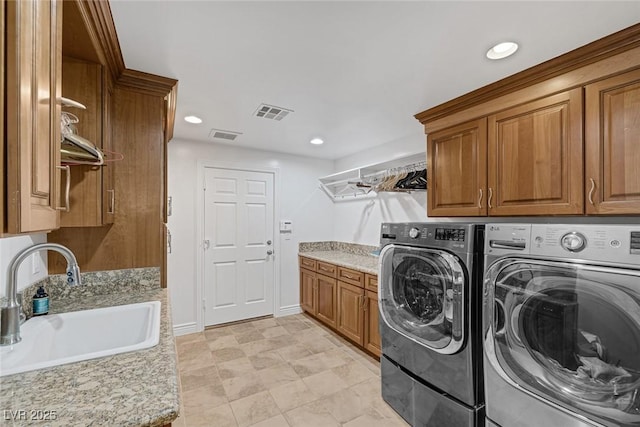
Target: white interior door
{"points": [[238, 224]]}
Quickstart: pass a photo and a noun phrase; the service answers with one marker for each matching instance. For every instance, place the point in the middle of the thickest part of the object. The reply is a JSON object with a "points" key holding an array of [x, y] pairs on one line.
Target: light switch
{"points": [[286, 226]]}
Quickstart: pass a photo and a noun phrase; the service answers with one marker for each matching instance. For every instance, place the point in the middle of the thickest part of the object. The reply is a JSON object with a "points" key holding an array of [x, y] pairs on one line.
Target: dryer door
{"points": [[568, 334], [421, 296]]}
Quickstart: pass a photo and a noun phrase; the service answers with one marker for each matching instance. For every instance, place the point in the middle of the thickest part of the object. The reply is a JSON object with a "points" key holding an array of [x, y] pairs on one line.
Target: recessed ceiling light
{"points": [[502, 50], [316, 141], [193, 119]]}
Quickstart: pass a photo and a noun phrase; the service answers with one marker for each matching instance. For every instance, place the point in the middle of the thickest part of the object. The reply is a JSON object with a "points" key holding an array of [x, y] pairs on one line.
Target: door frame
{"points": [[248, 167]]}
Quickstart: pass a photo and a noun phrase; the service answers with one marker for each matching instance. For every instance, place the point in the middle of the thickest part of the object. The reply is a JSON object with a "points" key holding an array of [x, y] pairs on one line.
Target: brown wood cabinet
{"points": [[351, 302], [612, 179], [457, 170], [346, 300], [535, 158], [92, 195], [31, 142], [327, 300], [371, 339]]}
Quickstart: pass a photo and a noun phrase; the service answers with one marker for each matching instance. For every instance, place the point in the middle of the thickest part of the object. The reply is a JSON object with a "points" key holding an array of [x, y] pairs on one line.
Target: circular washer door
{"points": [[422, 295], [568, 334]]}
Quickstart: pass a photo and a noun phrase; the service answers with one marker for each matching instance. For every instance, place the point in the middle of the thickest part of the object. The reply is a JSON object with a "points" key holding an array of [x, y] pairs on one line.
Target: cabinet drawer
{"points": [[371, 282], [351, 276], [308, 263], [327, 269]]}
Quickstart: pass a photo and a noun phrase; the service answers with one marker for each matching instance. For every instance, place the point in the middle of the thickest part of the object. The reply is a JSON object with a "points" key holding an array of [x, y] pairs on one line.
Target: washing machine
{"points": [[562, 325], [429, 295]]}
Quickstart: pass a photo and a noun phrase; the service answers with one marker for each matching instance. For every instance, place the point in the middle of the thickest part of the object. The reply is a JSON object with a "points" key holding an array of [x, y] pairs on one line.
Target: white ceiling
{"points": [[354, 72]]}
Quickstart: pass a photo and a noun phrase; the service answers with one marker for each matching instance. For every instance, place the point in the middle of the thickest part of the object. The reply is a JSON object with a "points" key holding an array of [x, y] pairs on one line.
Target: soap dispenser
{"points": [[40, 302]]}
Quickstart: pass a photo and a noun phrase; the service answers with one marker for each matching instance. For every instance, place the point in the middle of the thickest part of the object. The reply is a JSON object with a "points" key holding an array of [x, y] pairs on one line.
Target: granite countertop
{"points": [[139, 388], [349, 255]]}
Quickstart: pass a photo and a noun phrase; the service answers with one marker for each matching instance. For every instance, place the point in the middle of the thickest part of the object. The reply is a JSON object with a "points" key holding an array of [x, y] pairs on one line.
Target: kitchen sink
{"points": [[58, 339]]}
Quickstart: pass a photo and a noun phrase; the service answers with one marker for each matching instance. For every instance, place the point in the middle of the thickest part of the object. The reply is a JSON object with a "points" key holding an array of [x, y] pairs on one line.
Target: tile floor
{"points": [[288, 371]]}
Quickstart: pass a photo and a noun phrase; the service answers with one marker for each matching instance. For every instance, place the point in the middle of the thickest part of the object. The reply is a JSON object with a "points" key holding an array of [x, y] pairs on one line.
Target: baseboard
{"points": [[185, 328], [288, 310]]}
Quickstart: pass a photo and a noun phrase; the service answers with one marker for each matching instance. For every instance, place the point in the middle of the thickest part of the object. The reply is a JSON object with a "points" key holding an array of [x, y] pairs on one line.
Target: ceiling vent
{"points": [[272, 112], [227, 135]]}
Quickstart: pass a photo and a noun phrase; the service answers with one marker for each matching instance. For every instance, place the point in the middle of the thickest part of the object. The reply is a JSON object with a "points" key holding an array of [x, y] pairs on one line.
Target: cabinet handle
{"points": [[112, 202], [169, 241], [67, 188], [593, 187], [490, 196], [480, 199], [364, 302]]}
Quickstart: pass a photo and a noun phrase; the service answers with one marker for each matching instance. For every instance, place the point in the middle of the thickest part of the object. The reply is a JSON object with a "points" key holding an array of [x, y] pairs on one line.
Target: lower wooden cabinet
{"points": [[351, 312], [350, 306], [326, 307], [308, 284], [371, 339]]}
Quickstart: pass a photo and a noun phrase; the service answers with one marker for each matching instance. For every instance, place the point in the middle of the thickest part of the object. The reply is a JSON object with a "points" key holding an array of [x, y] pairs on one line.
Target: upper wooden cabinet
{"points": [[535, 158], [457, 170], [92, 196], [32, 56], [612, 183]]}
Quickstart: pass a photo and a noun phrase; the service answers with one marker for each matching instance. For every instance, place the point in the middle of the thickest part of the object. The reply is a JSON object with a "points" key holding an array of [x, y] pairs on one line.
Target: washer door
{"points": [[568, 334], [422, 295]]}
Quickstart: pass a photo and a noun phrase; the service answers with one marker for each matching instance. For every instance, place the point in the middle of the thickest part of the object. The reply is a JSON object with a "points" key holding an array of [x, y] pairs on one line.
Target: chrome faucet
{"points": [[10, 310]]}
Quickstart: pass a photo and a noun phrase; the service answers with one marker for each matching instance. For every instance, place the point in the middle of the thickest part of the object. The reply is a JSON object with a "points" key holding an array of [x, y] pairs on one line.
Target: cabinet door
{"points": [[456, 168], [308, 283], [327, 304], [535, 157], [371, 328], [350, 312], [32, 128], [82, 82], [612, 183]]}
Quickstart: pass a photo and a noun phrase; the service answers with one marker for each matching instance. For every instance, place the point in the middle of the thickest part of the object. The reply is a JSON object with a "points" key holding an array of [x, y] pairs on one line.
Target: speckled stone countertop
{"points": [[139, 388], [350, 255]]}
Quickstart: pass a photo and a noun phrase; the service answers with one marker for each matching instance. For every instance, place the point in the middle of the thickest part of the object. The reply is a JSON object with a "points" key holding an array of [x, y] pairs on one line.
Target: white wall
{"points": [[300, 200], [358, 220], [9, 248]]}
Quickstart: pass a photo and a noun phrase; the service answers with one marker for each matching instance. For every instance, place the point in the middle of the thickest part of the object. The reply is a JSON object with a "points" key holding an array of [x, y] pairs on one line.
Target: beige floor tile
{"points": [[185, 339], [253, 409], [291, 395], [344, 405], [278, 375], [205, 397], [288, 319], [243, 386], [275, 331], [235, 368], [249, 336], [309, 365], [220, 416], [239, 328], [266, 359], [325, 383], [199, 377], [353, 373], [282, 341], [194, 362], [293, 327], [226, 354], [192, 349], [277, 421], [264, 323], [334, 358], [319, 345], [255, 347], [214, 333], [224, 341], [294, 352], [311, 415], [179, 422], [373, 419]]}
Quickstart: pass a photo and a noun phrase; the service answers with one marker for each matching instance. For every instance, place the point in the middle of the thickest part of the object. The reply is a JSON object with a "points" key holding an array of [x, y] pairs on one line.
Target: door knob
{"points": [[268, 242], [269, 252]]}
